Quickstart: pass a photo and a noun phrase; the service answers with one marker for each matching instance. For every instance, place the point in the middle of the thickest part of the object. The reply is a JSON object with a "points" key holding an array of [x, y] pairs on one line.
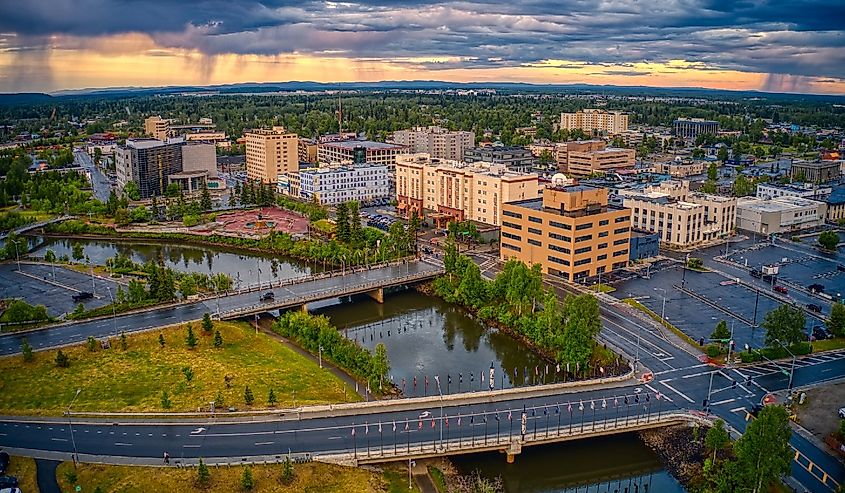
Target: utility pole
{"points": [[70, 426]]}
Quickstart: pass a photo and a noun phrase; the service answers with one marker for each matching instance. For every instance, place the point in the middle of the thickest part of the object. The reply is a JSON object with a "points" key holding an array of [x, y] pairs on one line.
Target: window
{"points": [[602, 246], [511, 247], [583, 261], [582, 250], [620, 242], [579, 239], [556, 248], [512, 214], [556, 236], [556, 224], [535, 219], [512, 225], [558, 260], [602, 234], [620, 253], [618, 231], [603, 222], [584, 226], [535, 231], [603, 256], [534, 242], [511, 236]]}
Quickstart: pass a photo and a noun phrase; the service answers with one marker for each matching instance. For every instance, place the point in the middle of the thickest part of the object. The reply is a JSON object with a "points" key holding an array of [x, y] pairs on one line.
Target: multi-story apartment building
{"points": [[590, 120], [690, 128], [307, 150], [157, 127], [779, 215], [804, 190], [583, 158], [359, 152], [681, 218], [571, 232], [439, 142], [270, 153], [153, 164], [459, 191], [336, 184], [514, 158]]}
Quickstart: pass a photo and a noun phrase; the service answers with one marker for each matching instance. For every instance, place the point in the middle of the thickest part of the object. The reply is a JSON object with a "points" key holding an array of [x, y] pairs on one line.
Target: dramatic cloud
{"points": [[795, 42]]}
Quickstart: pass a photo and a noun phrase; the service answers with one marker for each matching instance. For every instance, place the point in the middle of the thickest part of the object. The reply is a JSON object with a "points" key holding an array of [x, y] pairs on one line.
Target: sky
{"points": [[780, 46]]}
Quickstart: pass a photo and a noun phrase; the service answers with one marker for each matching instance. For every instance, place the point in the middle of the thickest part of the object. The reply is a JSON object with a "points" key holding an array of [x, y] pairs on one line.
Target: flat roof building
{"points": [[157, 127], [571, 232], [148, 163], [594, 120], [333, 185], [690, 128], [815, 171], [459, 191], [779, 215], [270, 153], [359, 152], [805, 190], [587, 157], [439, 142], [514, 158]]}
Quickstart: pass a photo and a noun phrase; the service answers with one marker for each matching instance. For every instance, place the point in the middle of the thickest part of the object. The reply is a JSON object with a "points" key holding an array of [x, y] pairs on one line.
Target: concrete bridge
{"points": [[30, 227]]}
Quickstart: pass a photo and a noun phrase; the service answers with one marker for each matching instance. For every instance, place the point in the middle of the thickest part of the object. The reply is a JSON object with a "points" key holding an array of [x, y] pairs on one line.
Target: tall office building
{"points": [[147, 162], [436, 141], [607, 122], [270, 153]]}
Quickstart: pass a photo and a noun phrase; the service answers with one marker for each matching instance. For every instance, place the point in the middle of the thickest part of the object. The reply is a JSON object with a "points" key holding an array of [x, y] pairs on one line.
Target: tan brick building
{"points": [[589, 120], [437, 141], [270, 153], [157, 127], [583, 158], [572, 232], [460, 191]]}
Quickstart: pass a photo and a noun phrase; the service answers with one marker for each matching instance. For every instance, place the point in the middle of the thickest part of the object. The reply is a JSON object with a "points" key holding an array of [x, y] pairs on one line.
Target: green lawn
{"points": [[829, 344], [23, 468], [133, 380]]}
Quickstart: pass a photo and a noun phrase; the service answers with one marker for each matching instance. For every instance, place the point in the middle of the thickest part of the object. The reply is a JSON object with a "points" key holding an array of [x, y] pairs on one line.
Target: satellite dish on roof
{"points": [[559, 180]]}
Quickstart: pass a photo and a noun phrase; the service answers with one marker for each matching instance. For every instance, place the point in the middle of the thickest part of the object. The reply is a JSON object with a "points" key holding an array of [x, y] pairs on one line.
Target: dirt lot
{"points": [[819, 412]]}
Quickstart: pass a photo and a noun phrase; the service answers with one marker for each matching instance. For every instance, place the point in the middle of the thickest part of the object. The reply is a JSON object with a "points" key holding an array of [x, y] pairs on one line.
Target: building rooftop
{"points": [[366, 144], [325, 170], [537, 205], [778, 204], [837, 197]]}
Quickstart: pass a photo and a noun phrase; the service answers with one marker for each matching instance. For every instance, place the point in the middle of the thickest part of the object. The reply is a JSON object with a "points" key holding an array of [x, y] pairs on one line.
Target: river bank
{"points": [[682, 452]]}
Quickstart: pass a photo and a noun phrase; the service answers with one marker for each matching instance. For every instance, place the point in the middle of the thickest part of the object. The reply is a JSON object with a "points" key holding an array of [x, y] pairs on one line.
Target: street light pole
{"points": [[663, 310], [792, 369], [113, 310], [320, 356], [439, 391], [70, 426], [17, 255]]}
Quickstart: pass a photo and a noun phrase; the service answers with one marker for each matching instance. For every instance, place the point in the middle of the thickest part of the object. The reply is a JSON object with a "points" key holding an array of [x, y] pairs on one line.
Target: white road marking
{"points": [[59, 439], [264, 443], [122, 444], [726, 401], [190, 446], [335, 438], [663, 382]]}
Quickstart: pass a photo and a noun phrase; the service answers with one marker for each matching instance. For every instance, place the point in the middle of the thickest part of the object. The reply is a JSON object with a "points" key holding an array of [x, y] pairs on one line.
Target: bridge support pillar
{"points": [[514, 449], [303, 308], [377, 294]]}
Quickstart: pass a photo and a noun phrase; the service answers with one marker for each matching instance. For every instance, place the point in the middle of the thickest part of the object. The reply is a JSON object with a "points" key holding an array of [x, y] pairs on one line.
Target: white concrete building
{"points": [[803, 190], [333, 185], [779, 215]]}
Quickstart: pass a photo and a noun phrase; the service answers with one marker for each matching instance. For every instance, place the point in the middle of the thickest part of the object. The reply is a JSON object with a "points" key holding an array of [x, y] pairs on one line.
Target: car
{"points": [[780, 289], [842, 412], [82, 296], [756, 273], [820, 333], [8, 482], [816, 287], [4, 462], [814, 308], [268, 296]]}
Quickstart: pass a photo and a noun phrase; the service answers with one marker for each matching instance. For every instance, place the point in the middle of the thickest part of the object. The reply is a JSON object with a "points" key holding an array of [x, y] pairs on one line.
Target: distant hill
{"points": [[24, 98]]}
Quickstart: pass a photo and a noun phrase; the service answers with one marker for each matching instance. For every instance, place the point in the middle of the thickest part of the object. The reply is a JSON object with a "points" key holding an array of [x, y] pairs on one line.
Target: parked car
{"points": [[842, 412], [8, 482], [4, 462], [820, 333], [82, 296], [816, 287], [814, 308], [756, 273], [780, 289], [268, 296]]}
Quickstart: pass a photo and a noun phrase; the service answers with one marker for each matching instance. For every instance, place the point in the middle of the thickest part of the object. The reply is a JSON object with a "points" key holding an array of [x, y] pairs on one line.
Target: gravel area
{"points": [[819, 412]]}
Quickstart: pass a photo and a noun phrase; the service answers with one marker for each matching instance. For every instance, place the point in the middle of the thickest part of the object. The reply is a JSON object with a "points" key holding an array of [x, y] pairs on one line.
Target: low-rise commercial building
{"points": [[157, 127], [680, 218], [690, 128], [836, 205], [519, 159], [436, 141], [571, 232], [644, 244], [681, 169], [587, 157], [217, 138], [815, 171], [270, 153], [333, 185], [779, 215], [458, 191], [594, 120], [804, 190], [360, 152]]}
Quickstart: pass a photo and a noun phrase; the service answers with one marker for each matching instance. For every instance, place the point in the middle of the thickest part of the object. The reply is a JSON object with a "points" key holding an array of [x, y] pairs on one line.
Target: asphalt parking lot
{"points": [[37, 286]]}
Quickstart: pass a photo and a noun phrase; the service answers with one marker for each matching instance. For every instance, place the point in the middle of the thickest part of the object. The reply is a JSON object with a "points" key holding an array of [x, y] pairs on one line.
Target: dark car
{"points": [[816, 287], [756, 273], [8, 482], [82, 296], [814, 308], [4, 462], [268, 296], [820, 333]]}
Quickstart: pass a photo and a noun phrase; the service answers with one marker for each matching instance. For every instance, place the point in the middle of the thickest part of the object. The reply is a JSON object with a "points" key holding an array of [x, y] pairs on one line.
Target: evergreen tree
{"points": [[191, 338], [203, 474], [218, 399], [271, 398], [207, 325], [218, 339], [836, 322], [247, 482], [248, 397], [124, 345], [356, 234], [342, 230], [165, 400], [91, 343], [26, 350], [154, 206], [161, 340], [62, 360], [721, 331], [717, 437], [287, 471], [205, 198]]}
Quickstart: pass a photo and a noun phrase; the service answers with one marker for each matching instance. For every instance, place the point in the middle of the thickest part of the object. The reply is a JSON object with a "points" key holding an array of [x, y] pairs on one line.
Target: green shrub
{"points": [[713, 350]]}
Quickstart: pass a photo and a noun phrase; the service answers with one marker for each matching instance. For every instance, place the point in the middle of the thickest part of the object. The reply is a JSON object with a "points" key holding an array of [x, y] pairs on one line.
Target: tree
{"points": [[717, 437], [26, 350], [722, 154], [77, 252], [709, 186], [742, 187], [828, 240], [784, 324], [836, 322], [124, 345], [247, 482], [248, 397], [191, 338], [342, 230], [132, 191], [218, 339], [49, 256], [91, 343], [380, 365], [205, 198], [207, 325], [218, 399], [203, 474], [581, 326], [712, 172], [271, 398], [356, 234], [62, 360], [763, 451], [78, 311], [287, 471], [721, 331], [161, 340], [165, 400]]}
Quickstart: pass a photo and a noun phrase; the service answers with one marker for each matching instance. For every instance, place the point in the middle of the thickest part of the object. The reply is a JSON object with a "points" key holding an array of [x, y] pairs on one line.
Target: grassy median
{"points": [[23, 468], [136, 378], [310, 477]]}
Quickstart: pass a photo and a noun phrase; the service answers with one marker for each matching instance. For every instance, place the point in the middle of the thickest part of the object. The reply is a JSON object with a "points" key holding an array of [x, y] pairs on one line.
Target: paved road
{"points": [[99, 181], [79, 331]]}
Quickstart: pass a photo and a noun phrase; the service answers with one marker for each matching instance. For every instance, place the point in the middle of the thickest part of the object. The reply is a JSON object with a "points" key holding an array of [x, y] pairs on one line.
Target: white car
{"points": [[842, 412]]}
